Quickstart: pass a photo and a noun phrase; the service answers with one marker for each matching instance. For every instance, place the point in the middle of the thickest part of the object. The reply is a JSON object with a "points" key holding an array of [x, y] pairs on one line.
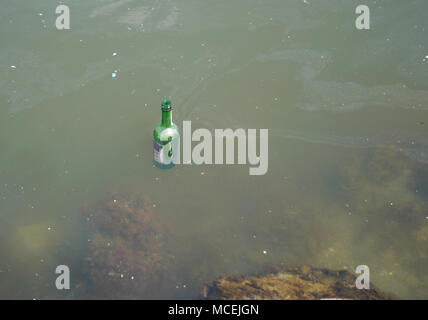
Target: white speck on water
{"points": [[114, 75], [264, 252], [49, 228], [13, 67], [114, 54], [114, 200]]}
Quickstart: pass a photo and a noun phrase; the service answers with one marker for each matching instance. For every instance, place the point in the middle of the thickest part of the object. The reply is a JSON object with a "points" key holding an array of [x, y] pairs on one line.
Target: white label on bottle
{"points": [[163, 154]]}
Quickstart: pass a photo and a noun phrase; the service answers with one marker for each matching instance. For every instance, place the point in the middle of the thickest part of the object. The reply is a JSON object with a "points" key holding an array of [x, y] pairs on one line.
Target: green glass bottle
{"points": [[166, 138]]}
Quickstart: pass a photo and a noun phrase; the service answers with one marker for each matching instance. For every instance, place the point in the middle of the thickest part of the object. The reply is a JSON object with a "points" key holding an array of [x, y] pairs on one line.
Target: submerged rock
{"points": [[126, 255], [297, 283]]}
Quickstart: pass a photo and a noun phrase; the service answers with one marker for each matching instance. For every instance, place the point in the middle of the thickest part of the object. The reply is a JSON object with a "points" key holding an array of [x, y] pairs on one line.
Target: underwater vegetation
{"points": [[389, 191], [387, 178], [126, 255], [375, 215], [374, 212], [292, 283]]}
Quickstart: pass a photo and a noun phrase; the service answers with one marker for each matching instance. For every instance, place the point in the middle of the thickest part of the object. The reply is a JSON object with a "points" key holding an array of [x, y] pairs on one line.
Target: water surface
{"points": [[346, 111]]}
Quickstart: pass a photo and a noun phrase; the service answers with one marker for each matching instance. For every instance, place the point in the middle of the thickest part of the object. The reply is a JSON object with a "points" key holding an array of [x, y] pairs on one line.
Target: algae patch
{"points": [[291, 283], [126, 254]]}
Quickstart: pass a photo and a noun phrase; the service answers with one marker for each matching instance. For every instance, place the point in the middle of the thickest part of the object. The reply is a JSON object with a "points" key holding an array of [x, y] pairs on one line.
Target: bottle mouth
{"points": [[166, 105]]}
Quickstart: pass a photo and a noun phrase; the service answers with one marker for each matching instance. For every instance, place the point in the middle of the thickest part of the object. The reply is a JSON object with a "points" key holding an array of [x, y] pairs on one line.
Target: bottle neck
{"points": [[167, 119]]}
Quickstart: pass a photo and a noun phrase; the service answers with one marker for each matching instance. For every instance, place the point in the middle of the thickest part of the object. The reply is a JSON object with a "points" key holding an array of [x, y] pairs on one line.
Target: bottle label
{"points": [[163, 154]]}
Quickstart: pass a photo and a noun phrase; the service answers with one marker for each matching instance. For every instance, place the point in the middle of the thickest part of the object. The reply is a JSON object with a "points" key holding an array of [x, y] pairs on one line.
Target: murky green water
{"points": [[346, 111]]}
